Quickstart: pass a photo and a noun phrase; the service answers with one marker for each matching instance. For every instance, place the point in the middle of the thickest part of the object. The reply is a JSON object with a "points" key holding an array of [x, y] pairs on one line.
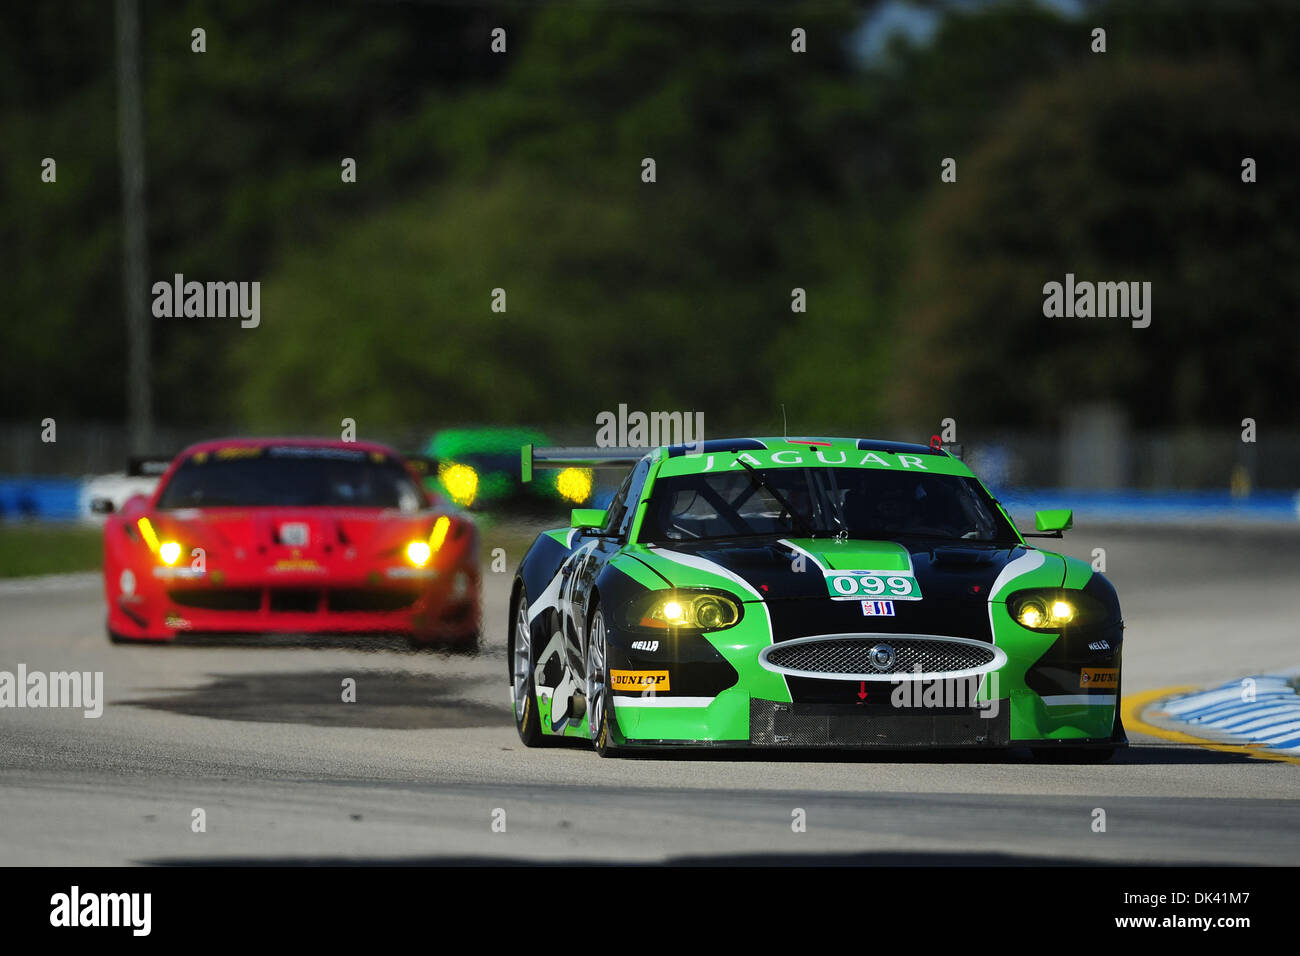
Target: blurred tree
{"points": [[1124, 169], [244, 144], [776, 170], [666, 295]]}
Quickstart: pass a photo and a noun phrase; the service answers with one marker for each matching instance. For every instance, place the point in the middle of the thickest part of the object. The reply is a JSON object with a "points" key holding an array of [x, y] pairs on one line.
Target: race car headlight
{"points": [[574, 484], [1061, 612], [1051, 610], [461, 482], [689, 610], [169, 552], [417, 552]]}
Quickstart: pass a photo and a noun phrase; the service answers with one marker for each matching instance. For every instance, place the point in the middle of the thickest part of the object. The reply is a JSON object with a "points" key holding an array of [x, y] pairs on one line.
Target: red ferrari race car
{"points": [[297, 536]]}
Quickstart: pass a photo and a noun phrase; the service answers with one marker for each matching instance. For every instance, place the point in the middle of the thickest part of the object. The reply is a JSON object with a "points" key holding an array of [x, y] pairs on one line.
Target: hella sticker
{"points": [[1099, 646], [645, 645], [878, 608]]}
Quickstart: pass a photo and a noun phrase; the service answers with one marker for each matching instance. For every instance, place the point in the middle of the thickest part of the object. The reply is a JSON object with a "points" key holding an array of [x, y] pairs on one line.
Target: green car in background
{"points": [[479, 468]]}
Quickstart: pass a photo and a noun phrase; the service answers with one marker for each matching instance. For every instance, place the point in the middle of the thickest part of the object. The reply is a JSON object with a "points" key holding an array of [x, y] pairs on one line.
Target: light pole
{"points": [[135, 252]]}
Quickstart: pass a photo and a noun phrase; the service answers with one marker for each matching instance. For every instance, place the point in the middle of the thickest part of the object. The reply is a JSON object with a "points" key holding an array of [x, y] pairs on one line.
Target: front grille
{"points": [[345, 600], [217, 599], [295, 600], [775, 724], [850, 656]]}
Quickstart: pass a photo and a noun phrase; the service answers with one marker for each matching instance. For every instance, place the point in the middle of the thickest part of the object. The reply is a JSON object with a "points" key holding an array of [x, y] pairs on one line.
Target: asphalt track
{"points": [[420, 767]]}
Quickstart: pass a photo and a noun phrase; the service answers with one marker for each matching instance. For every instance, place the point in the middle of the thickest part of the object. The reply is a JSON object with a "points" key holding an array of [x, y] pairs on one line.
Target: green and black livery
{"points": [[821, 592]]}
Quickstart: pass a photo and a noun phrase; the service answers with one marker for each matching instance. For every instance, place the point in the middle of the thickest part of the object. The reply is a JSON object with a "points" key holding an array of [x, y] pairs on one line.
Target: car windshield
{"points": [[291, 477], [858, 502]]}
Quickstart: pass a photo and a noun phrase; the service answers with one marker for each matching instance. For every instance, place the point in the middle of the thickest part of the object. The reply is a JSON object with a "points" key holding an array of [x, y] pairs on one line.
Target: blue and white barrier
{"points": [[67, 498], [1163, 507], [55, 499], [1263, 710]]}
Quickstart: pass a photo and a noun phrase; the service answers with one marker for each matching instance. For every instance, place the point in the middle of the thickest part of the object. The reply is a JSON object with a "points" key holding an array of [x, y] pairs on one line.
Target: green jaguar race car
{"points": [[478, 468], [823, 592]]}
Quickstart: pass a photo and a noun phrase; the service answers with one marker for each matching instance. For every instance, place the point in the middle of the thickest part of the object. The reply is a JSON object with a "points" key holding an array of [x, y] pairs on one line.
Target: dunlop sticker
{"points": [[639, 681], [1099, 677]]}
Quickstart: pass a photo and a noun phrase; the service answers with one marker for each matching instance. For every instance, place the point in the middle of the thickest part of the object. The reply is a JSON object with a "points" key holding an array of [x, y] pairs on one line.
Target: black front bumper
{"points": [[776, 724]]}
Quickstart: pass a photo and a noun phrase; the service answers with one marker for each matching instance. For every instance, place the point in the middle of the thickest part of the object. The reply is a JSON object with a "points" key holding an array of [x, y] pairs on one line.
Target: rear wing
{"points": [[145, 467], [151, 467], [589, 457]]}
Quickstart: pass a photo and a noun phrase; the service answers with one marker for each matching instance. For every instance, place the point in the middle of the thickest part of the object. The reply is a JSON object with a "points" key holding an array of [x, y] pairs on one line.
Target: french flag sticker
{"points": [[878, 608]]}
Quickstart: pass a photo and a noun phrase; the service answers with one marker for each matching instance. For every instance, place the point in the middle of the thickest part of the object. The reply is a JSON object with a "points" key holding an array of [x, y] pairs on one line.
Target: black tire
{"points": [[528, 720], [600, 718]]}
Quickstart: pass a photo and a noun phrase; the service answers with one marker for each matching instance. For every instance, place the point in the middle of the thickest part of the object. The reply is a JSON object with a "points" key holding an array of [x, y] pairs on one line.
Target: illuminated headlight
{"points": [[1032, 614], [697, 611], [417, 552], [574, 484], [169, 552], [1050, 610], [1062, 612], [461, 482]]}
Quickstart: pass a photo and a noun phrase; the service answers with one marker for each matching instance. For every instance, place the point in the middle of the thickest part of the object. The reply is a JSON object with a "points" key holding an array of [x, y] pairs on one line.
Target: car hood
{"points": [[790, 569]]}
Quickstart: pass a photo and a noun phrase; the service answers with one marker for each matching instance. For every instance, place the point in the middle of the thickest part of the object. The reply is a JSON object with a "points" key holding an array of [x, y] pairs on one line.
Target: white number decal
{"points": [[898, 586]]}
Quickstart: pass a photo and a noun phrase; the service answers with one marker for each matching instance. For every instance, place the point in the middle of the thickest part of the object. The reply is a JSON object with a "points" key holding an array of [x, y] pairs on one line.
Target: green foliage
{"points": [[243, 148], [775, 170], [672, 294], [49, 548], [1141, 181]]}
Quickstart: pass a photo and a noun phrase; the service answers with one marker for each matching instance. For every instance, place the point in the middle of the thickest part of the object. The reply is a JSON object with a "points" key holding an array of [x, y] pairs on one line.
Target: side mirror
{"points": [[588, 518], [101, 506], [1054, 519]]}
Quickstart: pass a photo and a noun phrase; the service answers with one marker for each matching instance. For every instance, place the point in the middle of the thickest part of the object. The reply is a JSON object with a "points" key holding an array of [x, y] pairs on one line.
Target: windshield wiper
{"points": [[805, 526]]}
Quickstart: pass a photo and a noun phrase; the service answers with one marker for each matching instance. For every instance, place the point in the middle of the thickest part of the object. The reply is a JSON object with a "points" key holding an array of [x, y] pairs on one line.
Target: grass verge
{"points": [[49, 548]]}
